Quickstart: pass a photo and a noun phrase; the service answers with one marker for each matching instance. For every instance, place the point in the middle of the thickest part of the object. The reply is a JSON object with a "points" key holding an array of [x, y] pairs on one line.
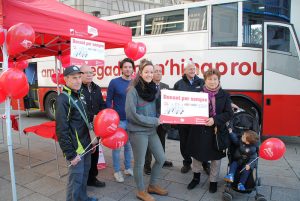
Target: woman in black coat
{"points": [[202, 137]]}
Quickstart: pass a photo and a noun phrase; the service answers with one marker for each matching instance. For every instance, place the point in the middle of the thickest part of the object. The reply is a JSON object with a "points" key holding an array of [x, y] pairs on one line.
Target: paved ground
{"points": [[280, 179]]}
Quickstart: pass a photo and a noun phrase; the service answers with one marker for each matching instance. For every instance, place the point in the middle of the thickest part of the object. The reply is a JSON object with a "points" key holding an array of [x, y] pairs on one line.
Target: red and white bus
{"points": [[254, 45]]}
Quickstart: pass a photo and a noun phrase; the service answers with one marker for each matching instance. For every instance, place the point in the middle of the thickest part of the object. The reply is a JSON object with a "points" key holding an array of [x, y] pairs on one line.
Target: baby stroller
{"points": [[241, 122]]}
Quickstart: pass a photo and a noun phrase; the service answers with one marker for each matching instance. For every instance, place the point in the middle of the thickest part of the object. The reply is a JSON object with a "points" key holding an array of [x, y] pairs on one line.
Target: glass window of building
{"points": [[197, 19], [224, 25], [166, 22], [252, 30], [134, 23]]}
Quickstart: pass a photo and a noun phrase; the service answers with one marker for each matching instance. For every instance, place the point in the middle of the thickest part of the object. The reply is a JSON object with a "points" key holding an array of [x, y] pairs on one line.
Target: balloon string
{"points": [[249, 163], [89, 144], [85, 152]]}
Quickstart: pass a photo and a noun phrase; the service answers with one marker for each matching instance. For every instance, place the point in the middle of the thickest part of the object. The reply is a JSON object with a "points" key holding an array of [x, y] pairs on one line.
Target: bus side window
{"points": [[134, 23], [164, 22], [197, 19], [224, 25]]}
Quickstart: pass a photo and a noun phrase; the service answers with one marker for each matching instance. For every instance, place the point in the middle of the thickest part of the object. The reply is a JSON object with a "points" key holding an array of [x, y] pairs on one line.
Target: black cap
{"points": [[71, 70]]}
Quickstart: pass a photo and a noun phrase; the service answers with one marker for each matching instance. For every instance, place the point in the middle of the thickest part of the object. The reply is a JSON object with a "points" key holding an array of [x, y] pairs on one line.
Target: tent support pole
{"points": [[8, 129]]}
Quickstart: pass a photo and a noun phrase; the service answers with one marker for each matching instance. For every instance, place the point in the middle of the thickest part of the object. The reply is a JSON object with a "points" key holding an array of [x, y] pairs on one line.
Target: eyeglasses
{"points": [[88, 73]]}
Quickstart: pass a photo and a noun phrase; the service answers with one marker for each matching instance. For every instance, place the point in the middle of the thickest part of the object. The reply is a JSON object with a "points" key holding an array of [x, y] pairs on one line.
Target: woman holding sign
{"points": [[203, 143], [142, 120]]}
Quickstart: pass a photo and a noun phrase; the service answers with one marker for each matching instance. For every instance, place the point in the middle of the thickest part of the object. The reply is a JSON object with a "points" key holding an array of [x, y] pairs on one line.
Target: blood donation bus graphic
{"points": [[255, 49]]}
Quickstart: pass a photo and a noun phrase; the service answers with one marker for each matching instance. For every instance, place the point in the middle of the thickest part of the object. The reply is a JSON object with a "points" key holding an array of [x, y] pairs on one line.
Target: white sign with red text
{"points": [[181, 107], [87, 52]]}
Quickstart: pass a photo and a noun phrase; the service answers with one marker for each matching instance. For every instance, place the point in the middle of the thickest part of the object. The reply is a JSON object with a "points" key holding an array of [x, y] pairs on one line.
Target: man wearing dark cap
{"points": [[73, 134]]}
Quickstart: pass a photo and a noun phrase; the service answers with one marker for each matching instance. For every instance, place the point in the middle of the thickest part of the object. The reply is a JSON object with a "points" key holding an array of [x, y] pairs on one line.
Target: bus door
{"points": [[281, 80], [31, 101]]}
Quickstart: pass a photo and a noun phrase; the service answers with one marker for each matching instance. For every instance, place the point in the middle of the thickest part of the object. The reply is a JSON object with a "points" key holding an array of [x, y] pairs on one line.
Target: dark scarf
{"points": [[146, 91], [212, 99]]}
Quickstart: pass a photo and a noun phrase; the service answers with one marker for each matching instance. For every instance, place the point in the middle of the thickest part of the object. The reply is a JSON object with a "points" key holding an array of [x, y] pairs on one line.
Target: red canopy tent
{"points": [[55, 23]]}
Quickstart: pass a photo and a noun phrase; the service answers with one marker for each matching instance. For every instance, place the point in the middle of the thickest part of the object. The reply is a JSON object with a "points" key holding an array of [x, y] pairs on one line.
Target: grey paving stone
{"points": [[25, 176], [36, 197], [46, 186], [285, 194], [286, 182], [59, 196], [19, 160], [4, 168], [6, 192], [180, 191], [112, 190]]}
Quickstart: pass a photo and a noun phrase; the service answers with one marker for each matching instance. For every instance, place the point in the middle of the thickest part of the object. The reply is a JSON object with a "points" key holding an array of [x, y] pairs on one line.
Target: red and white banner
{"points": [[181, 107], [87, 52]]}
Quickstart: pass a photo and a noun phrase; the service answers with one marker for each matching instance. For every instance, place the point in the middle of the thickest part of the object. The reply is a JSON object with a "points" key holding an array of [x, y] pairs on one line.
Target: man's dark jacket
{"points": [[94, 100], [71, 129], [185, 85]]}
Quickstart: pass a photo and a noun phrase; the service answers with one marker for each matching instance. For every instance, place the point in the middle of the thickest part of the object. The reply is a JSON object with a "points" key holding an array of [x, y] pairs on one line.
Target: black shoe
{"points": [[206, 167], [195, 181], [96, 183], [213, 186], [147, 170], [185, 168], [193, 184], [168, 164]]}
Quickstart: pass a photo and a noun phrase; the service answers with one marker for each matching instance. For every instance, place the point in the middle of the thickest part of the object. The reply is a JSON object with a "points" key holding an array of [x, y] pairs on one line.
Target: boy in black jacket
{"points": [[244, 156]]}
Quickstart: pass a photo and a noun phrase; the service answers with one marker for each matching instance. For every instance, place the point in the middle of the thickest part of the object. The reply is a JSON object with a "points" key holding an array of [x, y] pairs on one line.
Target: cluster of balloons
{"points": [[13, 82], [272, 149], [106, 127], [134, 50]]}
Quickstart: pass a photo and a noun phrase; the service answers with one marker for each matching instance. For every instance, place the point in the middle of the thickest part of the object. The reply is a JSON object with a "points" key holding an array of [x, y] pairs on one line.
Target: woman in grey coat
{"points": [[142, 120]]}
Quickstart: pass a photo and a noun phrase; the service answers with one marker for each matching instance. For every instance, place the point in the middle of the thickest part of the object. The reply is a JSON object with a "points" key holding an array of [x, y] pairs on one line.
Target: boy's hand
{"points": [[247, 167]]}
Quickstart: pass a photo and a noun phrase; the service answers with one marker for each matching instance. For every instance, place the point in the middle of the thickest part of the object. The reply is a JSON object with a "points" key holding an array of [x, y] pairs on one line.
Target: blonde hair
{"points": [[251, 136]]}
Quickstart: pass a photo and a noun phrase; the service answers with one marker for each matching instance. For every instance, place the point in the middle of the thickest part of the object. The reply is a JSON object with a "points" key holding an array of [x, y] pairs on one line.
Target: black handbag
{"points": [[222, 140]]}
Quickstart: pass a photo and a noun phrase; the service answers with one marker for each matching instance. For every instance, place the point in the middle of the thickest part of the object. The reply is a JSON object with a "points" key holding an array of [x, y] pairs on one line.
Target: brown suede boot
{"points": [[143, 195], [157, 190]]}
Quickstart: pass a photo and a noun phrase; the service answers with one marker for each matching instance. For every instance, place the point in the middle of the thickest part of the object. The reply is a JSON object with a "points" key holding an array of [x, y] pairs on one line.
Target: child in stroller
{"points": [[242, 154], [245, 154]]}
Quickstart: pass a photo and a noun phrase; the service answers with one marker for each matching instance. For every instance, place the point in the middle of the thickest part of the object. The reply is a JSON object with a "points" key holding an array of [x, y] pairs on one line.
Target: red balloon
{"points": [[65, 60], [11, 64], [272, 149], [13, 80], [2, 36], [117, 140], [20, 37], [61, 79], [22, 64], [2, 96], [106, 123], [22, 92], [134, 50]]}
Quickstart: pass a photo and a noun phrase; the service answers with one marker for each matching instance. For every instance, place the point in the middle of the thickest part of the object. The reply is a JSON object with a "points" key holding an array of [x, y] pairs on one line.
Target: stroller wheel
{"points": [[227, 196], [259, 197]]}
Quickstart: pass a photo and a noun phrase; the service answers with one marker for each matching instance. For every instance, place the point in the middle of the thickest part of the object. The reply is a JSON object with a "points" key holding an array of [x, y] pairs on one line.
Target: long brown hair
{"points": [[138, 78]]}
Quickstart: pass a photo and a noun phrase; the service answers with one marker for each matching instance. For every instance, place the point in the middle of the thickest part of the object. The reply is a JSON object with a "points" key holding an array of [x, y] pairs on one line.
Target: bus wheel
{"points": [[50, 105], [248, 106]]}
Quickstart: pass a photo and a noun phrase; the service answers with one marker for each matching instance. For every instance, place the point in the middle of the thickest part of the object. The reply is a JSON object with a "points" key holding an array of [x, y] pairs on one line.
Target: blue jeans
{"points": [[243, 175], [127, 152], [77, 181]]}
